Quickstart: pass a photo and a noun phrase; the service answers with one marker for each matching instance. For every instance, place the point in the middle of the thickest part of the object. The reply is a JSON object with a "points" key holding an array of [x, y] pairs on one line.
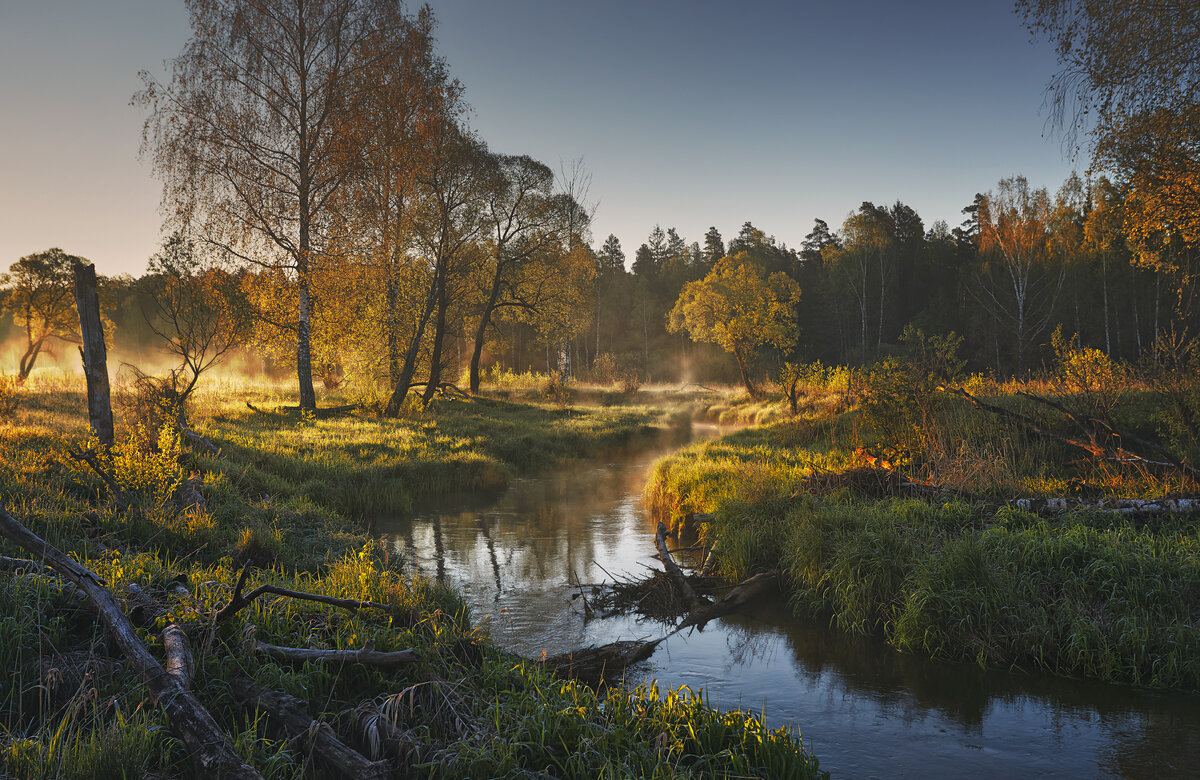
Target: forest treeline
{"points": [[340, 220], [1022, 264]]}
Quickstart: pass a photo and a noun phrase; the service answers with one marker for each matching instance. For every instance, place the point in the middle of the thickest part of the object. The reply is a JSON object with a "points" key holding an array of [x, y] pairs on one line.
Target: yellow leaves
{"points": [[151, 472], [737, 307], [1157, 154]]}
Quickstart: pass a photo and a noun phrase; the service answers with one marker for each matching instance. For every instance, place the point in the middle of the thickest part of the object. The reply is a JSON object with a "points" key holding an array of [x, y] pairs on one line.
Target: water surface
{"points": [[865, 710]]}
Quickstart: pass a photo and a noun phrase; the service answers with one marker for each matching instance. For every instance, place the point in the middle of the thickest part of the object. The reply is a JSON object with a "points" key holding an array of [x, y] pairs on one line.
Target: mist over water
{"points": [[862, 708]]}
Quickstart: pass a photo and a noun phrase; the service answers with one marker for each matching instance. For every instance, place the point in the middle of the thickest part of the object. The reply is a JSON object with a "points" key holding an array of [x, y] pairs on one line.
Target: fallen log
{"points": [[190, 495], [20, 564], [1122, 506], [673, 570], [443, 389], [1101, 450], [320, 412], [741, 595], [239, 601], [292, 714], [199, 440], [596, 664], [180, 664], [1079, 418], [367, 655], [142, 608], [210, 748]]}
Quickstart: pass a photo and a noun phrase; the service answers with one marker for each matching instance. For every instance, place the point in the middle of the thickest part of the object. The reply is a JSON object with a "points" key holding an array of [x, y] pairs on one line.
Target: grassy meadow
{"points": [[289, 494], [951, 569]]}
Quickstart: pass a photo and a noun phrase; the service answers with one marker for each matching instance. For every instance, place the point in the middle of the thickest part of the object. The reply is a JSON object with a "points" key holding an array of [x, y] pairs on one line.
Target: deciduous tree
{"points": [[248, 135], [38, 290], [522, 218], [1018, 284], [741, 309], [199, 313]]}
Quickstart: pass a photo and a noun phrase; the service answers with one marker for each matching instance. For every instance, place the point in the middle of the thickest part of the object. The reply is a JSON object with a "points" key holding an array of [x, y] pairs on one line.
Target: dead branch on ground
{"points": [[199, 440], [239, 601], [292, 715], [319, 413], [1104, 442], [210, 748], [88, 457], [367, 655]]}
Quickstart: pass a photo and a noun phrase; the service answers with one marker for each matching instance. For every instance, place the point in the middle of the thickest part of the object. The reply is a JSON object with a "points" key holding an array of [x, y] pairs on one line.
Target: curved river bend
{"points": [[865, 710]]}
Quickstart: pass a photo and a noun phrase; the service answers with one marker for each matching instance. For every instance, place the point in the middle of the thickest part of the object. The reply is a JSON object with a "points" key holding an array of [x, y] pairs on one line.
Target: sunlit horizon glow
{"points": [[687, 114]]}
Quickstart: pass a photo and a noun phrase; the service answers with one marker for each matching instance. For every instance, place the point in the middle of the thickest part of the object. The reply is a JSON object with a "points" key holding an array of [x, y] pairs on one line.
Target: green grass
{"points": [[362, 466], [1081, 594], [284, 494]]}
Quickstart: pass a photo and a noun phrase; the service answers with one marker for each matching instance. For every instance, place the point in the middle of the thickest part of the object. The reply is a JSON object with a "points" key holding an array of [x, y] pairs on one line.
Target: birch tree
{"points": [[248, 133], [1018, 284]]}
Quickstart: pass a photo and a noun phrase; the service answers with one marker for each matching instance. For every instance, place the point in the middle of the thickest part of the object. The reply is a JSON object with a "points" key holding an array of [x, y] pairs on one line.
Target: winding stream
{"points": [[865, 710]]}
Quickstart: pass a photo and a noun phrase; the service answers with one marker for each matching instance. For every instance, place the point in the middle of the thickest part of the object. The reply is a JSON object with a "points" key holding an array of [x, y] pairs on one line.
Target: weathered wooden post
{"points": [[95, 356]]}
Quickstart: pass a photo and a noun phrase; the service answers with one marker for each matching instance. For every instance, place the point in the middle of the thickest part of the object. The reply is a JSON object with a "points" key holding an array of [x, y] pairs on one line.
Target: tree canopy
{"points": [[740, 308]]}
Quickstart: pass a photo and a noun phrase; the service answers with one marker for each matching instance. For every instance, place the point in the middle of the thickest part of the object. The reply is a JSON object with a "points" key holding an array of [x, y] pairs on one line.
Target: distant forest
{"points": [[1020, 265]]}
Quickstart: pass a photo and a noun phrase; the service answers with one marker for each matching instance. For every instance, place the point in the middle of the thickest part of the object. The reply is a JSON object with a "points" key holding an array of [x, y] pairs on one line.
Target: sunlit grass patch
{"points": [[282, 496]]}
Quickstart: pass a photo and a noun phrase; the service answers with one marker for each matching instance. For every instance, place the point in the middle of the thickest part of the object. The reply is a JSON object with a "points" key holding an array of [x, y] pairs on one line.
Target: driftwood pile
{"points": [[667, 596]]}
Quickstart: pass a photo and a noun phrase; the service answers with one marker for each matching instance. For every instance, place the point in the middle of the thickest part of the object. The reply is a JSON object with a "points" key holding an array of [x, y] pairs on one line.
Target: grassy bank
{"points": [[717, 403], [1083, 593], [282, 494]]}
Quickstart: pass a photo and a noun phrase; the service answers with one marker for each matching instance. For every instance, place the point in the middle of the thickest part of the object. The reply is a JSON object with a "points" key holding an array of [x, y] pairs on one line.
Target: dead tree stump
{"points": [[95, 356]]}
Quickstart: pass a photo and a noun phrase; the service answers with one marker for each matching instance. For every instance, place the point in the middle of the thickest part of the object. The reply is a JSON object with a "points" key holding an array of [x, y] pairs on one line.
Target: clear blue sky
{"points": [[688, 113]]}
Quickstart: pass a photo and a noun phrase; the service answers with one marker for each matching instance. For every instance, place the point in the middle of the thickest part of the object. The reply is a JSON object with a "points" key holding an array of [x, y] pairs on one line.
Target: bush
{"points": [[1094, 379], [604, 368], [151, 472], [557, 389], [901, 399], [151, 402], [628, 374]]}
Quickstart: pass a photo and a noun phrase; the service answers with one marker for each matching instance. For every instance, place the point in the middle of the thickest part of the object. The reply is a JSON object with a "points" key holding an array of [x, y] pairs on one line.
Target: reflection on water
{"points": [[865, 710]]}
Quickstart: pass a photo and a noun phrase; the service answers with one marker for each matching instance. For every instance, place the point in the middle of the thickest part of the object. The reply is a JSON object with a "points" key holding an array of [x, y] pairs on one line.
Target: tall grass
{"points": [[1087, 594], [283, 495]]}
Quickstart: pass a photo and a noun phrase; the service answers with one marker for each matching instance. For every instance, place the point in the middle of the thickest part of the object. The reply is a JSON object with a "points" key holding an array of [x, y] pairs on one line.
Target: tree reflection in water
{"points": [[864, 708]]}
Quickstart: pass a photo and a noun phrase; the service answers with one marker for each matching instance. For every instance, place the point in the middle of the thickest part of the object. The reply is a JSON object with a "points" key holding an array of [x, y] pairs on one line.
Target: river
{"points": [[863, 709]]}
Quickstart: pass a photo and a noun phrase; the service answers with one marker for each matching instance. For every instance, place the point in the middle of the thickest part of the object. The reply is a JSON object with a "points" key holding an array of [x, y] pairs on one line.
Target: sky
{"points": [[686, 113]]}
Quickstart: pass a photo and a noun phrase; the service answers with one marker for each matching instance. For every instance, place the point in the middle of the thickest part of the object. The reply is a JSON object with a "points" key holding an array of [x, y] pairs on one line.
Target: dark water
{"points": [[864, 710]]}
